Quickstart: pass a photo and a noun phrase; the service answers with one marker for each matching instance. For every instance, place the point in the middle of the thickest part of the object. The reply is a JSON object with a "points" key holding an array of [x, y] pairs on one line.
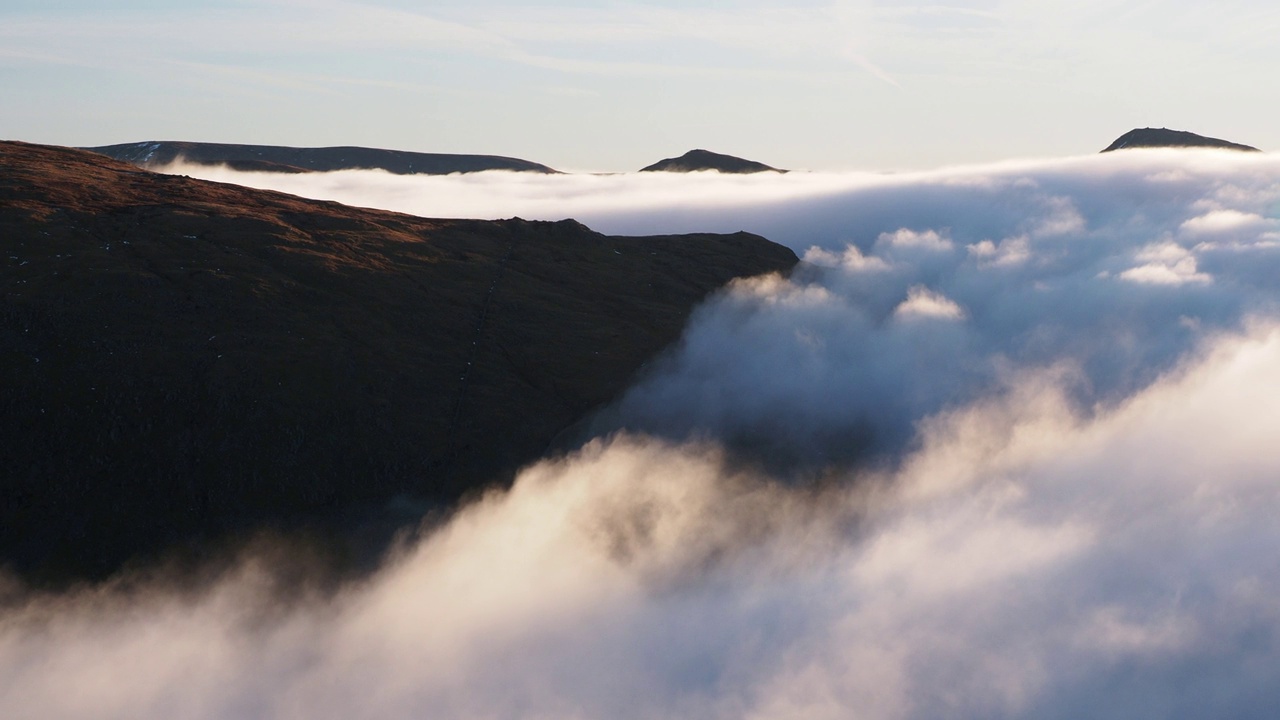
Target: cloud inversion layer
{"points": [[1044, 398], [930, 291]]}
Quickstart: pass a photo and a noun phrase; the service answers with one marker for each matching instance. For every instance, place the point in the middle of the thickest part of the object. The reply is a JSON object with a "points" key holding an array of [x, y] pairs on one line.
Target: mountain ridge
{"points": [[280, 158], [185, 360]]}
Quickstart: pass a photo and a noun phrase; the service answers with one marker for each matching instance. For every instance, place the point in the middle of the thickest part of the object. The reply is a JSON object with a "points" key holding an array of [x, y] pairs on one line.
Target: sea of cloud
{"points": [[1003, 446]]}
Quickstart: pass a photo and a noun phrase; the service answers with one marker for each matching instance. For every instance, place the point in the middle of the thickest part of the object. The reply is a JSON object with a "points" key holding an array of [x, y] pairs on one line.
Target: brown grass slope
{"points": [[181, 359]]}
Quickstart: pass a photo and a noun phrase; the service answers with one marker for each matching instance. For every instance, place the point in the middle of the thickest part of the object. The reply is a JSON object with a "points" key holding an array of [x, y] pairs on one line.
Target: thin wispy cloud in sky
{"points": [[968, 460]]}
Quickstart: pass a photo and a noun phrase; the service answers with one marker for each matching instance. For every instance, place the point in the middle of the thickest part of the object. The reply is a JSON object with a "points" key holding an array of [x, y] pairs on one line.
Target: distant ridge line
{"points": [[285, 159]]}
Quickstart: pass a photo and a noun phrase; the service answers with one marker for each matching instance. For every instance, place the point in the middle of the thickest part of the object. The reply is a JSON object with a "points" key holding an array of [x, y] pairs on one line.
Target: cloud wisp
{"points": [[996, 477]]}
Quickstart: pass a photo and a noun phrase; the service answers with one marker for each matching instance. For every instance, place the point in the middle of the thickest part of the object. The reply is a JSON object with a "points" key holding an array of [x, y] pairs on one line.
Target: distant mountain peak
{"points": [[699, 159], [1164, 137]]}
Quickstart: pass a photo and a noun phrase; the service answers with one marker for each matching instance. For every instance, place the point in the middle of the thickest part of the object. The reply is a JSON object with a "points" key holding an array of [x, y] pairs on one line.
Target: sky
{"points": [[614, 86], [1003, 446]]}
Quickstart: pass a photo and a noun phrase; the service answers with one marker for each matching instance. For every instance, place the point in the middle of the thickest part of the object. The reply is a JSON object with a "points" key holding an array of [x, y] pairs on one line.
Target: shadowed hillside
{"points": [[272, 158], [182, 358]]}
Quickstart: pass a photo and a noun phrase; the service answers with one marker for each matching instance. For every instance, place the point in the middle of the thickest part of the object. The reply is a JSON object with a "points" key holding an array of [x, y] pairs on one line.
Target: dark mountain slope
{"points": [[271, 158], [1163, 137], [182, 359], [695, 160]]}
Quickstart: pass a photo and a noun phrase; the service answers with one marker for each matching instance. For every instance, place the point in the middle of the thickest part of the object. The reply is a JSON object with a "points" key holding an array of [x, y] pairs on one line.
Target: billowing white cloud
{"points": [[1049, 201], [1055, 497], [1011, 251], [911, 239], [1217, 221], [1024, 561], [1060, 217], [851, 259], [1165, 263], [922, 303]]}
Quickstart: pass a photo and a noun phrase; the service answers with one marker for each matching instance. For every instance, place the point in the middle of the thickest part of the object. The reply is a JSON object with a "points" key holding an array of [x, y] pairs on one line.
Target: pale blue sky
{"points": [[616, 85]]}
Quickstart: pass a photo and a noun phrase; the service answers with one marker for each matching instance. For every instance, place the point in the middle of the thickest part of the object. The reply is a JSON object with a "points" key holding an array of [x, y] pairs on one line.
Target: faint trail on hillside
{"points": [[482, 319]]}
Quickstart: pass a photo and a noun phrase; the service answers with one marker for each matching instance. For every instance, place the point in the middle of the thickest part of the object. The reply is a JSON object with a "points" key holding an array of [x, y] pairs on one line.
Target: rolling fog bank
{"points": [[1003, 447]]}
